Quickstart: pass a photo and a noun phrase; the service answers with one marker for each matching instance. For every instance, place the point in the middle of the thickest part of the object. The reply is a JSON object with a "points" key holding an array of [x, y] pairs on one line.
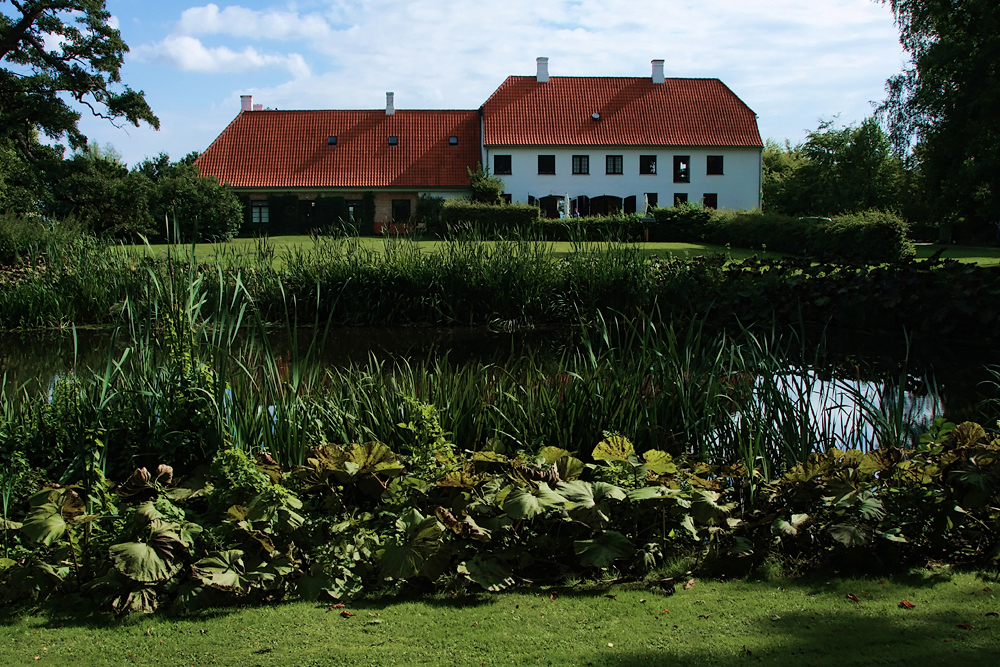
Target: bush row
{"points": [[868, 236]]}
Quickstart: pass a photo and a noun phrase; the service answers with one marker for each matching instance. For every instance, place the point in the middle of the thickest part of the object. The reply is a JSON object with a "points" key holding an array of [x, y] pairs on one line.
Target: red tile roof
{"points": [[288, 149], [633, 112]]}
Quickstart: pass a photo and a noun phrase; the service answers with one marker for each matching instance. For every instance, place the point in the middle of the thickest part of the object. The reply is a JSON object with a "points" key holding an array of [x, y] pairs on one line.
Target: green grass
{"points": [[721, 624], [244, 247], [983, 255]]}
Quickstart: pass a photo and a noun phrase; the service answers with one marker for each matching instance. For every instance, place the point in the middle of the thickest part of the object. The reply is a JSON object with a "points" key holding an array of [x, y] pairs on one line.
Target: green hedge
{"points": [[868, 236], [593, 228], [489, 219]]}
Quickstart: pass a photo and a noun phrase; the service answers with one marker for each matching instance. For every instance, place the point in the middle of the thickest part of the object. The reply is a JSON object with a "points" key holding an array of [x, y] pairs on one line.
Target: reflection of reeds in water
{"points": [[183, 387]]}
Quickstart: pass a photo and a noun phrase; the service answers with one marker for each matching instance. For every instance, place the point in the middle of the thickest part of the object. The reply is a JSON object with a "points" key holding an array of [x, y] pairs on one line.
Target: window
{"points": [[546, 164], [258, 213], [710, 200], [501, 165], [353, 210], [682, 169], [331, 141], [680, 198], [452, 141], [400, 210], [714, 165], [647, 164], [506, 197], [651, 199], [613, 164], [581, 164], [628, 205], [393, 140]]}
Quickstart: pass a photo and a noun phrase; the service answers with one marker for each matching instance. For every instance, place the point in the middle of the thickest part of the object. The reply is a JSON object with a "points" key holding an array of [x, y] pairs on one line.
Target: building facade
{"points": [[605, 144]]}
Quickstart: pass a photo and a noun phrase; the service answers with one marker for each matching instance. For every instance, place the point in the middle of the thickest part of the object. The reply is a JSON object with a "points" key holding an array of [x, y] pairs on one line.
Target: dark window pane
{"points": [[647, 164], [501, 165], [400, 210], [714, 165], [682, 169], [629, 205], [614, 164], [452, 141], [710, 200], [393, 140], [581, 164], [680, 198], [651, 199], [546, 164]]}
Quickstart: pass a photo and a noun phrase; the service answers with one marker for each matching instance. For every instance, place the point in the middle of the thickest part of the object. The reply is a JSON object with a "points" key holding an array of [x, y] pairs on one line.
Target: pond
{"points": [[921, 378]]}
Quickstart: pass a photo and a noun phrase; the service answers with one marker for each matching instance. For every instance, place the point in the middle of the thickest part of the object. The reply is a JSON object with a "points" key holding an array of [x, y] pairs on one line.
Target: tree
{"points": [[95, 187], [836, 170], [485, 188], [194, 201], [52, 50], [944, 104]]}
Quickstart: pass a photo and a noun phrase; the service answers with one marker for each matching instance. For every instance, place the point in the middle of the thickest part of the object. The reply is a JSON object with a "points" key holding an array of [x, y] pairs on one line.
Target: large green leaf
{"points": [[523, 503], [706, 509], [653, 493], [789, 527], [587, 501], [552, 454], [659, 462], [45, 524], [604, 549], [143, 562], [849, 534], [491, 573], [614, 448], [405, 557], [223, 570], [569, 467]]}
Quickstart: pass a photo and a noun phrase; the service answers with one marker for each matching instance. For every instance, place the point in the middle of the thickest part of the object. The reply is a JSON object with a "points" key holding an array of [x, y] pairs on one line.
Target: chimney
{"points": [[543, 70], [389, 108], [657, 71], [246, 102], [258, 107]]}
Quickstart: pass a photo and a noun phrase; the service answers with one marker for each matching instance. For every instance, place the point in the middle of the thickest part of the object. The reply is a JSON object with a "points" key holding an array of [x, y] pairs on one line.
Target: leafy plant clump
{"points": [[361, 517]]}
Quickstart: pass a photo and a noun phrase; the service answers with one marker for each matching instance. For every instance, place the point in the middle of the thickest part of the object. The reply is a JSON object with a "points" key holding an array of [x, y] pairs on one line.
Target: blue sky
{"points": [[792, 61]]}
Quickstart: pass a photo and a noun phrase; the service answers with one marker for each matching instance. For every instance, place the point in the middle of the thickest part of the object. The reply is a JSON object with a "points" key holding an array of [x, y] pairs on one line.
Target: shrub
{"points": [[867, 236], [593, 228], [490, 220]]}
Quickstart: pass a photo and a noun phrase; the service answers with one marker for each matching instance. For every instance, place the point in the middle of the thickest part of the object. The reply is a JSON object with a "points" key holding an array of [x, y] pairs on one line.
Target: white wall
{"points": [[737, 188]]}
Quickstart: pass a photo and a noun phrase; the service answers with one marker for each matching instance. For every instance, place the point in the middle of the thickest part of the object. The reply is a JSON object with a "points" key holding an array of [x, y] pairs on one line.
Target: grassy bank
{"points": [[717, 624]]}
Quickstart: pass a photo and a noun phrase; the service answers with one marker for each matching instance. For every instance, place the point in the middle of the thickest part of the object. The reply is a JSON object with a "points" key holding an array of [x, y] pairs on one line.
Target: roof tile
{"points": [[288, 149], [633, 112]]}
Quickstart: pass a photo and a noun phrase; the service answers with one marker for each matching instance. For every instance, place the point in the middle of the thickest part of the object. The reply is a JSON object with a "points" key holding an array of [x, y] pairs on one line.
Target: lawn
{"points": [[983, 255], [248, 247], [714, 623]]}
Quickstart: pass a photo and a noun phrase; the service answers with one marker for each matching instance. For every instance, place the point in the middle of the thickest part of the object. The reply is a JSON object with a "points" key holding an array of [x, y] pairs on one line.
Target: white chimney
{"points": [[258, 107], [543, 70], [657, 71], [246, 102], [389, 108]]}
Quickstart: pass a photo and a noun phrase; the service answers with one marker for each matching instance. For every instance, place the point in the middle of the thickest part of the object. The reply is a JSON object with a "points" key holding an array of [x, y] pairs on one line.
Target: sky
{"points": [[794, 62]]}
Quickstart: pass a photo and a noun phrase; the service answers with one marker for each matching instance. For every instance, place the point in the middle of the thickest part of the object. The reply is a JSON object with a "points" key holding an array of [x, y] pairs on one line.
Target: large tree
{"points": [[944, 104], [54, 52]]}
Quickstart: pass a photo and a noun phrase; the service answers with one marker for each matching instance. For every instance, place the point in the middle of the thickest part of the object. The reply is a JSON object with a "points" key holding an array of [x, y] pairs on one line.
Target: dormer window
{"points": [[393, 140], [452, 141], [331, 141]]}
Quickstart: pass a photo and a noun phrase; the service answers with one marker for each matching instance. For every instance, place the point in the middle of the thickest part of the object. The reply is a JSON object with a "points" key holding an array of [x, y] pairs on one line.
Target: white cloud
{"points": [[242, 22], [114, 22], [189, 54]]}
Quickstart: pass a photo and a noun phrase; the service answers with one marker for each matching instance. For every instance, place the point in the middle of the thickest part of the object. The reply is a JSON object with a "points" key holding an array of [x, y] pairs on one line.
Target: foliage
{"points": [[96, 188], [867, 236], [488, 220], [621, 228], [486, 189], [942, 101], [53, 51], [836, 170]]}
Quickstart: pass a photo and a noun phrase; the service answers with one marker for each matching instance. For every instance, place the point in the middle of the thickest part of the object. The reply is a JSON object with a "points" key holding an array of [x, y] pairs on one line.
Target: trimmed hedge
{"points": [[489, 219], [593, 228], [868, 236]]}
